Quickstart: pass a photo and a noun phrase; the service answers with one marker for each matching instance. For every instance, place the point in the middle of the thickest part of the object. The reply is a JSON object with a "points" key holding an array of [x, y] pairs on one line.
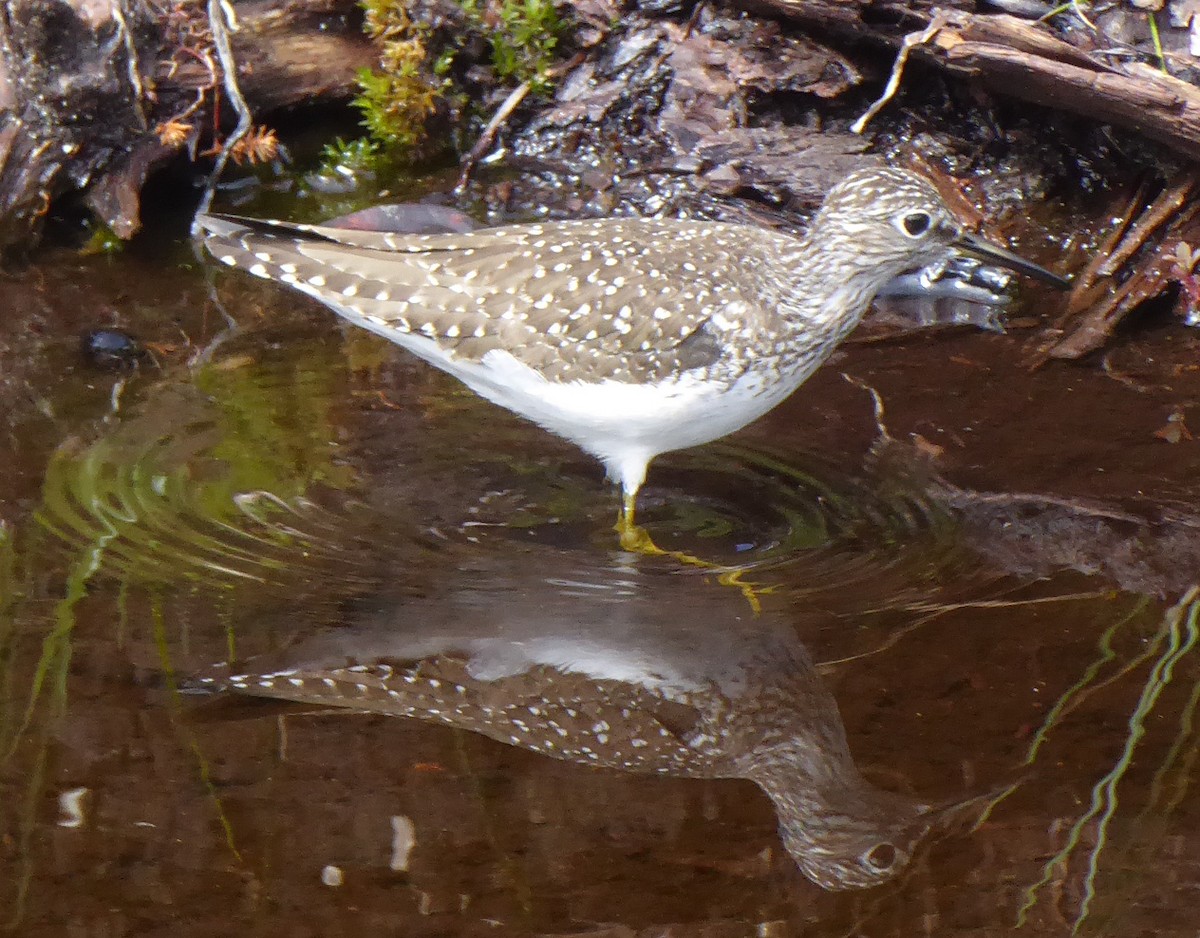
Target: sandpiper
{"points": [[629, 337], [613, 668]]}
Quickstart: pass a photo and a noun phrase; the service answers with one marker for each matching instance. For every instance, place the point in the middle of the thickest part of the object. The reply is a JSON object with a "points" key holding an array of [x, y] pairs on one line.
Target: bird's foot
{"points": [[637, 540], [750, 591]]}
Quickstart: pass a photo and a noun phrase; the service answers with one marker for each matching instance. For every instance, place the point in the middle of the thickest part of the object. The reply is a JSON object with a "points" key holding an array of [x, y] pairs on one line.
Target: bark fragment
{"points": [[87, 86]]}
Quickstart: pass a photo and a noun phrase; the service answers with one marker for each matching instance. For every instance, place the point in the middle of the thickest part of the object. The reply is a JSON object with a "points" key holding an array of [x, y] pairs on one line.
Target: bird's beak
{"points": [[998, 255]]}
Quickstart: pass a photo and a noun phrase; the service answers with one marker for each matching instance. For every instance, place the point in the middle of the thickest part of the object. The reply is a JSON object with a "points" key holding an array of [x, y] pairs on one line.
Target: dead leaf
{"points": [[1175, 430], [927, 447]]}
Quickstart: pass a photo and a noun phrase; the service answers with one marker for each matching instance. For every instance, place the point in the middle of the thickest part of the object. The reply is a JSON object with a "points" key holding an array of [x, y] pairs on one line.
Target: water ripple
{"points": [[242, 475]]}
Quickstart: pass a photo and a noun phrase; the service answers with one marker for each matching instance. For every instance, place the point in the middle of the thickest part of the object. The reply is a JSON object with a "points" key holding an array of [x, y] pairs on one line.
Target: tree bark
{"points": [[86, 85]]}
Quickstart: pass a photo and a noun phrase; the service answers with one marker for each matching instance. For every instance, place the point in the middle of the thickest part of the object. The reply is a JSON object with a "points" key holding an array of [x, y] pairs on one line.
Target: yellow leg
{"points": [[637, 540], [633, 539]]}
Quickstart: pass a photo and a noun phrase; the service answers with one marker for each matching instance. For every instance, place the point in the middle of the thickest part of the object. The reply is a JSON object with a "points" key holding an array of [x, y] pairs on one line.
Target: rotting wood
{"points": [[84, 86], [1025, 60], [1140, 259], [1130, 95], [289, 54]]}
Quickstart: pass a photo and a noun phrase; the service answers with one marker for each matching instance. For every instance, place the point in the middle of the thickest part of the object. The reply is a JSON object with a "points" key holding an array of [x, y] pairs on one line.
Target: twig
{"points": [[693, 20], [222, 22], [1077, 7], [131, 61], [503, 113], [911, 41], [1163, 209]]}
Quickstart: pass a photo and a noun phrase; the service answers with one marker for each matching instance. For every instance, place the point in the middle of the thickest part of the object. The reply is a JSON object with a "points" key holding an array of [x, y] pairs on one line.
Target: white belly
{"points": [[626, 425]]}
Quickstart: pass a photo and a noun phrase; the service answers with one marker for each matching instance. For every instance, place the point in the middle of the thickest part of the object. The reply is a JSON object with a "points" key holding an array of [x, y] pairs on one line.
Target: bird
{"points": [[630, 337], [594, 665]]}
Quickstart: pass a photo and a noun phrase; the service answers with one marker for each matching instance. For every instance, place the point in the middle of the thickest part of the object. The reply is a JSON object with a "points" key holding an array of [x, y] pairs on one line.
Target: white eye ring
{"points": [[881, 858], [914, 224]]}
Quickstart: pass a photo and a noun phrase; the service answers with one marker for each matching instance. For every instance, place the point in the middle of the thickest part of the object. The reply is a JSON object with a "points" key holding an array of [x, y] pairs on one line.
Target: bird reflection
{"points": [[620, 668]]}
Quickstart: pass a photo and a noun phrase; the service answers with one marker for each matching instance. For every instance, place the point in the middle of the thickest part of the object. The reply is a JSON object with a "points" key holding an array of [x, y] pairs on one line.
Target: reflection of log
{"points": [[84, 85]]}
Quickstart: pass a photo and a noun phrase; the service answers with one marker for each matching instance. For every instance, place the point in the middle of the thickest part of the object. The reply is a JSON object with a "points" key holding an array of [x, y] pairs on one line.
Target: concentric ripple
{"points": [[729, 506], [205, 481], [268, 473]]}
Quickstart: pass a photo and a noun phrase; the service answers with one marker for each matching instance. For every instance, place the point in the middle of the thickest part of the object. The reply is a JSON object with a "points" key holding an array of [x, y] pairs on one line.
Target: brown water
{"points": [[294, 490]]}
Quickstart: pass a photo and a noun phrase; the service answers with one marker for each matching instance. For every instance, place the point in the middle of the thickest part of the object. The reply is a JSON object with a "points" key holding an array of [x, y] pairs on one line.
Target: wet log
{"points": [[1026, 60], [94, 94], [1015, 57], [886, 20]]}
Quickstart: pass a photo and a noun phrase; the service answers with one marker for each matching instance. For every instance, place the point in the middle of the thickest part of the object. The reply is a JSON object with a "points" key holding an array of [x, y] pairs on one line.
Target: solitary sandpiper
{"points": [[629, 337], [617, 669]]}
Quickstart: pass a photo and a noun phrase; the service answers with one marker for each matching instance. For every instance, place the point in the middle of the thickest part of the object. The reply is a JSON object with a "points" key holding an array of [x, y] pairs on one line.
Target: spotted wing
{"points": [[615, 298], [566, 716]]}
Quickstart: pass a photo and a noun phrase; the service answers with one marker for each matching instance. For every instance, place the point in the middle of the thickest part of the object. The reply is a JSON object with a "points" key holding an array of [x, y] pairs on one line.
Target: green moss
{"points": [[361, 154], [397, 99], [396, 102], [524, 41], [103, 240]]}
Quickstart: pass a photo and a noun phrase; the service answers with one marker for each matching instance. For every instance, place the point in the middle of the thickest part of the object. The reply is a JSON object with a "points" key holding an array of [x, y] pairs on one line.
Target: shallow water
{"points": [[291, 495]]}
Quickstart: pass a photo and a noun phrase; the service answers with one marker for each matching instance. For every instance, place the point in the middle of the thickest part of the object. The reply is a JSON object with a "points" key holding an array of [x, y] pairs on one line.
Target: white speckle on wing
{"points": [[630, 337]]}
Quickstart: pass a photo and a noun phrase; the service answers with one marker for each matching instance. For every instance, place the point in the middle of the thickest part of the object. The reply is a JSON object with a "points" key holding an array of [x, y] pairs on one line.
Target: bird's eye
{"points": [[915, 224], [881, 858]]}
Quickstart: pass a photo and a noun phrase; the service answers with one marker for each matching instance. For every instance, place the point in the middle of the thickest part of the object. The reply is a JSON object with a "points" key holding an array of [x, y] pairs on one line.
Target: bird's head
{"points": [[893, 220], [858, 838]]}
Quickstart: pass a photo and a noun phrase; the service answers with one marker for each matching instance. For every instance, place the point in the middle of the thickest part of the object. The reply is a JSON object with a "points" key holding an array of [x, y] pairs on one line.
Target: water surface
{"points": [[1005, 637]]}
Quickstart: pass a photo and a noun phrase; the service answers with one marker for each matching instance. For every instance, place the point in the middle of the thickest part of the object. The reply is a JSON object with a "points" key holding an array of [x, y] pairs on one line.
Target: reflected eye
{"points": [[915, 224], [881, 858]]}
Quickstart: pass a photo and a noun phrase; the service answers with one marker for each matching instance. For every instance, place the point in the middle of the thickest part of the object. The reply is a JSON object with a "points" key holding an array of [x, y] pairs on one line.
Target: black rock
{"points": [[111, 349]]}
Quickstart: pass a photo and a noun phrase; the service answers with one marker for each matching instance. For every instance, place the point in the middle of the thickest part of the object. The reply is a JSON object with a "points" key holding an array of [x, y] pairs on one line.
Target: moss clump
{"points": [[362, 154], [523, 35], [103, 240], [397, 100]]}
